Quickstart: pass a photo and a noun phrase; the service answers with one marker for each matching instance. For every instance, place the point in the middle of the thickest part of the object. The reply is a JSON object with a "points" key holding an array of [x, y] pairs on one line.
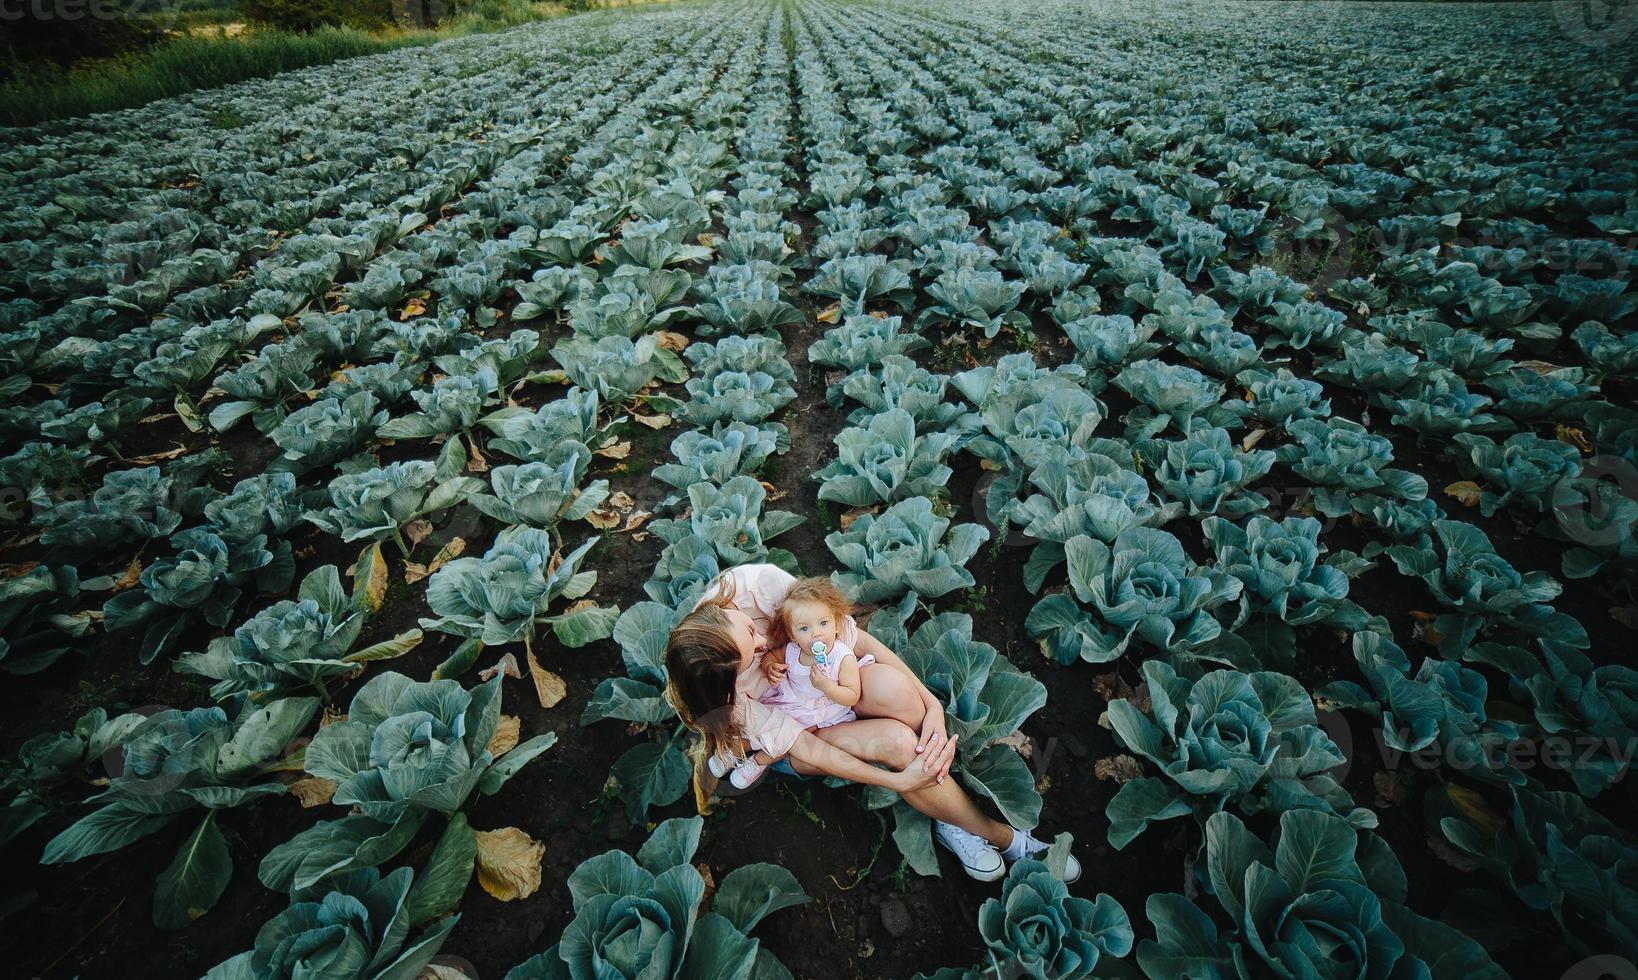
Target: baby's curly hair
{"points": [[816, 589]]}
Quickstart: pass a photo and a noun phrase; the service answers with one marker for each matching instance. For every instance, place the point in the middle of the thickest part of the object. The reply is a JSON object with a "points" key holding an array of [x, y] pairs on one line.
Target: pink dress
{"points": [[797, 696]]}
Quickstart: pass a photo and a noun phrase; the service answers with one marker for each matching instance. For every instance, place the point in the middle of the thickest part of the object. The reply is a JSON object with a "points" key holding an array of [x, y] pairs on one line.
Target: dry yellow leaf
{"points": [[1574, 437], [417, 530], [449, 552], [133, 575], [507, 665], [830, 314], [620, 500], [549, 687], [1475, 810], [505, 738], [313, 791], [1020, 743], [156, 417], [1252, 438], [635, 520], [375, 590], [509, 863], [670, 340], [475, 463], [652, 421], [603, 520], [847, 518], [1465, 492], [332, 717], [1120, 768], [615, 450], [414, 307], [639, 536], [710, 882], [160, 457]]}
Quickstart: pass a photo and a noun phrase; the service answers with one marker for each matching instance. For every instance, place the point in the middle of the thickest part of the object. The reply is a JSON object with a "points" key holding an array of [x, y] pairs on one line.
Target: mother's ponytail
{"points": [[702, 662]]}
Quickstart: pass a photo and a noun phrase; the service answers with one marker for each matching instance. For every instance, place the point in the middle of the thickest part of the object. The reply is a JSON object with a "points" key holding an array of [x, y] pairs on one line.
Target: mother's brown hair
{"points": [[702, 663]]}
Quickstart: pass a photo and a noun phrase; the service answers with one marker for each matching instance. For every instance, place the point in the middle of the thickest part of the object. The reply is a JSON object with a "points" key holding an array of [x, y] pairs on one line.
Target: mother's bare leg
{"points": [[886, 693], [893, 744]]}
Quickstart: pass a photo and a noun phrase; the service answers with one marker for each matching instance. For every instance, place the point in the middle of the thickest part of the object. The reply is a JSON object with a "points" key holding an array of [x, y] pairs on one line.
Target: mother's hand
{"points": [[929, 768], [932, 736]]}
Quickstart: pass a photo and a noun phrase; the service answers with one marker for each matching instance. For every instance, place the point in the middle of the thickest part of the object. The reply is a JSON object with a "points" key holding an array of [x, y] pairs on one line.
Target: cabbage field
{"points": [[1228, 410]]}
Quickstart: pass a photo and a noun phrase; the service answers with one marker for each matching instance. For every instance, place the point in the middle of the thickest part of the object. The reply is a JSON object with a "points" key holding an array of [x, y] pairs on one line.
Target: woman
{"points": [[714, 659]]}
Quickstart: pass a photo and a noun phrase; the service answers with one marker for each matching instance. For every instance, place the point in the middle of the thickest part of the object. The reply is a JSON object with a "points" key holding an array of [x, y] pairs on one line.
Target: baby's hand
{"points": [[773, 668]]}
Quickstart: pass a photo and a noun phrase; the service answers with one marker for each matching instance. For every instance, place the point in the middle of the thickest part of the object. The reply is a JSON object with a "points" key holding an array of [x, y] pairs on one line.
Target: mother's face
{"points": [[749, 638]]}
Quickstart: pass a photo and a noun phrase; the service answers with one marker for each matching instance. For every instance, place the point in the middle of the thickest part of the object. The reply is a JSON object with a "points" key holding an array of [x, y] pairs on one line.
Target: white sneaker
{"points": [[745, 774], [719, 765], [977, 857], [1024, 845]]}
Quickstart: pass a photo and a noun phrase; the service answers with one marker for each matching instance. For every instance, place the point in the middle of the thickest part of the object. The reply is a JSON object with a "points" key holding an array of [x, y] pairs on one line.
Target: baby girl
{"points": [[821, 682]]}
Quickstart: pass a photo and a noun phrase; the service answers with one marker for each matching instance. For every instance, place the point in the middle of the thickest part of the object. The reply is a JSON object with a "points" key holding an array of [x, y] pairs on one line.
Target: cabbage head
{"points": [[885, 462], [904, 548], [645, 917], [1526, 469], [1479, 585], [1324, 901], [1206, 472], [501, 597], [1279, 564], [541, 494], [1141, 586], [417, 745], [356, 927], [295, 643]]}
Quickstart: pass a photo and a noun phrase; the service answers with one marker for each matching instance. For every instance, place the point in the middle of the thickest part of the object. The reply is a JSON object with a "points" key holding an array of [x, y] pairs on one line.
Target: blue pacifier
{"points": [[818, 650]]}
